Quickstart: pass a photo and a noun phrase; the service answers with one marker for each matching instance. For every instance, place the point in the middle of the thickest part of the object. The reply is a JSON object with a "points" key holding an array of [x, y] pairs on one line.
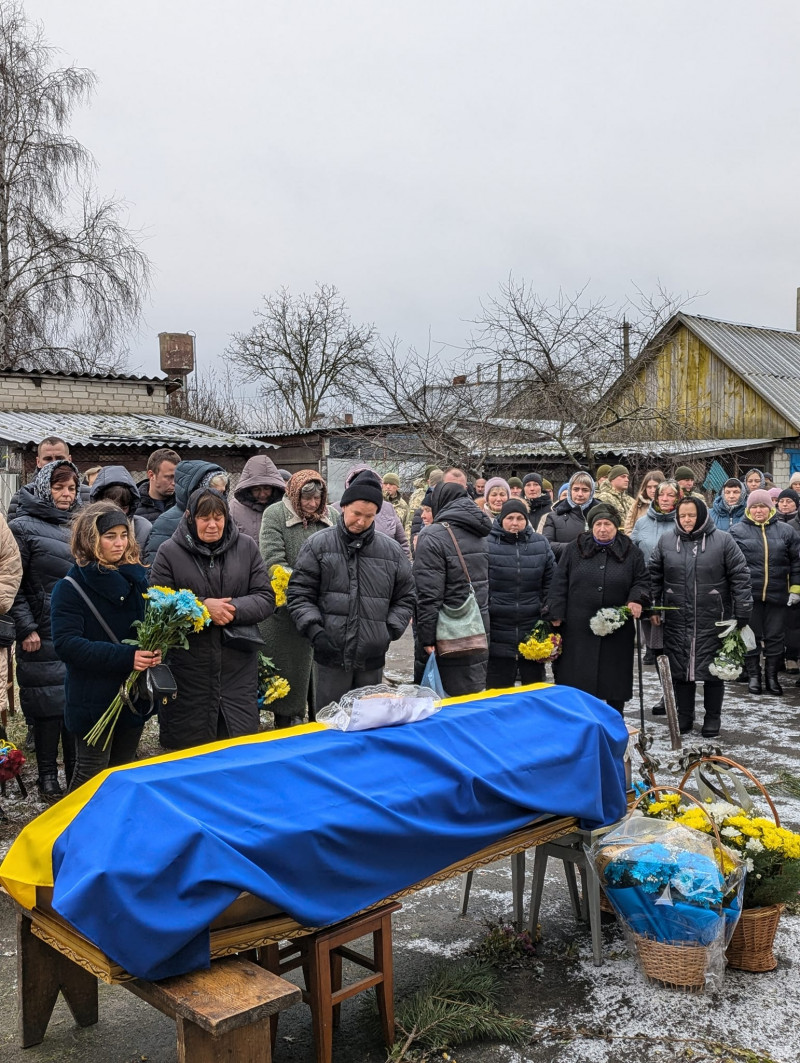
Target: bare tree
{"points": [[567, 357], [210, 399], [304, 353], [72, 276]]}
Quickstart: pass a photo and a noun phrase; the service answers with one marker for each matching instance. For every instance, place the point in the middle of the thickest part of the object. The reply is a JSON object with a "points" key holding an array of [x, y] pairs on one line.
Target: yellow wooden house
{"points": [[718, 381]]}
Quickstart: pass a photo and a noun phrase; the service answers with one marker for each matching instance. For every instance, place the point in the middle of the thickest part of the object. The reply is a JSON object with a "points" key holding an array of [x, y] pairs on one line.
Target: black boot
{"points": [[771, 667], [649, 657], [659, 709], [46, 734], [69, 753], [684, 700], [753, 666], [713, 694]]}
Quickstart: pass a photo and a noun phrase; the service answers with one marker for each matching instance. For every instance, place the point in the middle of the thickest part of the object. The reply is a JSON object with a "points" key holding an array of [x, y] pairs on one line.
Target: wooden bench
{"points": [[222, 1013]]}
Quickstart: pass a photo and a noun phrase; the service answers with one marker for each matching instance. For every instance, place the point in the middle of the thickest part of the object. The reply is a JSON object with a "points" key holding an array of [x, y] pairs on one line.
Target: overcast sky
{"points": [[416, 153]]}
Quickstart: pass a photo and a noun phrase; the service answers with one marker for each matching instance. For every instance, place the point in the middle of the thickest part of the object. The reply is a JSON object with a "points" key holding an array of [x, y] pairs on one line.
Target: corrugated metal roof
{"points": [[683, 447], [87, 376], [100, 430], [768, 359]]}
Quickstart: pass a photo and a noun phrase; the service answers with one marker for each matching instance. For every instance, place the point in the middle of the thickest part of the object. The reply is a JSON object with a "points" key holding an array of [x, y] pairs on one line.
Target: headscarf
{"points": [[703, 517], [293, 488], [445, 493], [42, 483], [584, 506], [191, 509], [760, 474]]}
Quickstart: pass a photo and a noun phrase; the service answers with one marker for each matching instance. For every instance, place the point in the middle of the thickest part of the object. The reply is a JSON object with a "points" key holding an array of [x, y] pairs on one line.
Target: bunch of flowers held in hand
{"points": [[170, 617], [608, 620], [771, 853], [543, 644], [271, 686], [730, 660], [279, 577]]}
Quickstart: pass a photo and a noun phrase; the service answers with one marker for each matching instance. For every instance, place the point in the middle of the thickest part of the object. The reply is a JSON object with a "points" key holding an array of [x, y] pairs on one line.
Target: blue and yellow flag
{"points": [[320, 823]]}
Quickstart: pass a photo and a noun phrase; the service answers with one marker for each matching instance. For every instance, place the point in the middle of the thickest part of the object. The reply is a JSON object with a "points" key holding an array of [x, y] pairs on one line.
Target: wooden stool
{"points": [[320, 955], [517, 888]]}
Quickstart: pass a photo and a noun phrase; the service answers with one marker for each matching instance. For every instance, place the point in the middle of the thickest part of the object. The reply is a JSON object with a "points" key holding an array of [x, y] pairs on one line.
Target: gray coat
{"points": [[648, 530], [282, 537]]}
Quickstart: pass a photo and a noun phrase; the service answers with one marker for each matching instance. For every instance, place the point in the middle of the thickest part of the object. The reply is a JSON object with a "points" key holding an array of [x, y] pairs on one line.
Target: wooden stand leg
{"points": [[248, 1044], [318, 987], [269, 958], [518, 888], [384, 991], [336, 984], [41, 973]]}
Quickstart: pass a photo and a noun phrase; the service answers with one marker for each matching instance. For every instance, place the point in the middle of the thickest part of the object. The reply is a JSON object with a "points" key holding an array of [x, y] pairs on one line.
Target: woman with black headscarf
{"points": [[602, 568], [700, 573], [217, 684], [440, 579]]}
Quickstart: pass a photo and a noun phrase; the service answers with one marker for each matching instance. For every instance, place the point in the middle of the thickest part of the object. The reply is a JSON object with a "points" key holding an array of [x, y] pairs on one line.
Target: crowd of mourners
{"points": [[78, 554]]}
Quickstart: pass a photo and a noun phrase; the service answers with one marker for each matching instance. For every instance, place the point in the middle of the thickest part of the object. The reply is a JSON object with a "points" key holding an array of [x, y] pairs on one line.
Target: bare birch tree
{"points": [[304, 353], [72, 276]]}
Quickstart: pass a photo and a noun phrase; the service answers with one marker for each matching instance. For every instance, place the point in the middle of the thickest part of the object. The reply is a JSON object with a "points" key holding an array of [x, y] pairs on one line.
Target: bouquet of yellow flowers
{"points": [[279, 577], [170, 616], [543, 644], [771, 854], [271, 686]]}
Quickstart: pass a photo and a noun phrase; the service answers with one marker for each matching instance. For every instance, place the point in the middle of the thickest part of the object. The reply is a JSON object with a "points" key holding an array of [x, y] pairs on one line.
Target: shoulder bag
{"points": [[459, 629], [155, 687], [246, 638], [8, 630]]}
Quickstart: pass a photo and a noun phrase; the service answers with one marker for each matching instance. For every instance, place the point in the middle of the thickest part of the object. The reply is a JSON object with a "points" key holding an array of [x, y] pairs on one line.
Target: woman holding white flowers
{"points": [[601, 569], [700, 574]]}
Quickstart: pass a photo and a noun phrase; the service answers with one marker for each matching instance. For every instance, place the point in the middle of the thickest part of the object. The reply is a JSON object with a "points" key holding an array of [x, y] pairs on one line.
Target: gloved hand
{"points": [[793, 598], [322, 644], [742, 621]]}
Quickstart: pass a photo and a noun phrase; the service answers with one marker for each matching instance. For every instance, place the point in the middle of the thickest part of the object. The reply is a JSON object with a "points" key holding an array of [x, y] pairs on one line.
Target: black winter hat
{"points": [[364, 487], [790, 493], [514, 505], [532, 476], [603, 512]]}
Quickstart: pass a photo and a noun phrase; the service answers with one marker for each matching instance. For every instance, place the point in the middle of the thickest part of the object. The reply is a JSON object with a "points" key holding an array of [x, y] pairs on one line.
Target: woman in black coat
{"points": [[108, 572], [601, 568], [42, 527], [520, 569], [440, 579], [217, 685], [701, 571], [771, 549], [568, 517]]}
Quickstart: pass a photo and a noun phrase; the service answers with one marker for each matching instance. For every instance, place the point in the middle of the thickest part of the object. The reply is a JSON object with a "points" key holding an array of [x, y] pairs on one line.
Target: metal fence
{"points": [[9, 485]]}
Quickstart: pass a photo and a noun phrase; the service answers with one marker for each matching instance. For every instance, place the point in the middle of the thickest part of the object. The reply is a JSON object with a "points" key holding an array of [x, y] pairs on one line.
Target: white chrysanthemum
{"points": [[753, 845], [749, 865], [730, 832]]}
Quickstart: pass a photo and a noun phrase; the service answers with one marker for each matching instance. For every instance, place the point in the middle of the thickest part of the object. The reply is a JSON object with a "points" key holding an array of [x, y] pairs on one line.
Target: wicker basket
{"points": [[751, 944], [679, 965]]}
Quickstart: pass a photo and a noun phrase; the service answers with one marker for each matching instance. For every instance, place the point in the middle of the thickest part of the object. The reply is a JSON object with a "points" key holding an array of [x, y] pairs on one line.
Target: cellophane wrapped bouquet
{"points": [[542, 644], [677, 896]]}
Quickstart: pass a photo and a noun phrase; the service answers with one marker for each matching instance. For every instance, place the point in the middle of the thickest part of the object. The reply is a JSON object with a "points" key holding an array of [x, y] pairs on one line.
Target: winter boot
{"points": [[659, 709], [713, 694], [771, 666], [46, 733], [69, 752], [753, 666], [684, 700], [649, 657], [791, 667]]}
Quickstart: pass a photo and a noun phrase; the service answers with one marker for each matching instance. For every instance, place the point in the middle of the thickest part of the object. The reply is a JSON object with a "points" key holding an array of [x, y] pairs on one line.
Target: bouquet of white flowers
{"points": [[729, 661], [610, 619]]}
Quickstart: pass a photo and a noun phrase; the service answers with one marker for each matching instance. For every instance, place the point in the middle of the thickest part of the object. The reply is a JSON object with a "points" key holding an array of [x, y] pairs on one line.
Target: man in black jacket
{"points": [[158, 490], [351, 594]]}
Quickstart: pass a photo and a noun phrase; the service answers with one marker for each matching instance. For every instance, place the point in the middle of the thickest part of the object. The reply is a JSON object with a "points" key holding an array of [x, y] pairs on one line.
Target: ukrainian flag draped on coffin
{"points": [[320, 823]]}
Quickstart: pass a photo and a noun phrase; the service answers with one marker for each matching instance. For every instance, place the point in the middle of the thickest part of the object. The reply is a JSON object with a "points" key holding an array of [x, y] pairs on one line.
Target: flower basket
{"points": [[751, 945], [677, 965]]}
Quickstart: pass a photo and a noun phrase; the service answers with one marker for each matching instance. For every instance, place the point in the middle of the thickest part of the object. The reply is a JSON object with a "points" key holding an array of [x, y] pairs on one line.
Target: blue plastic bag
{"points": [[431, 677]]}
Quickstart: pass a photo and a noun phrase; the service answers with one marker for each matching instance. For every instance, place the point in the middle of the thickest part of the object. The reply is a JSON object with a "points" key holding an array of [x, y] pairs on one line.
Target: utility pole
{"points": [[626, 343]]}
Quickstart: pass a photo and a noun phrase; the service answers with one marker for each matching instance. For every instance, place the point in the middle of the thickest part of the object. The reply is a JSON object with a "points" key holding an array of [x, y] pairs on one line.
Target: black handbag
{"points": [[8, 631], [155, 686], [246, 638]]}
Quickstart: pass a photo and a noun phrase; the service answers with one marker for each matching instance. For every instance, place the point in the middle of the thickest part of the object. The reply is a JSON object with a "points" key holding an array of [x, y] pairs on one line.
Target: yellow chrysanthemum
{"points": [[279, 578], [277, 688], [164, 590]]}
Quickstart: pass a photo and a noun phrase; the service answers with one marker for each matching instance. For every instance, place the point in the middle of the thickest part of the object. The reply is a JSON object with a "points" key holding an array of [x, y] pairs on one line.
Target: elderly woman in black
{"points": [[440, 579], [217, 683], [601, 568], [520, 570], [700, 573]]}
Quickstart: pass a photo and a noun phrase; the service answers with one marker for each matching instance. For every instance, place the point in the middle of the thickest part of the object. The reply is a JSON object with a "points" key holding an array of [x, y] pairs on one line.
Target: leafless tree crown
{"points": [[305, 354], [72, 276]]}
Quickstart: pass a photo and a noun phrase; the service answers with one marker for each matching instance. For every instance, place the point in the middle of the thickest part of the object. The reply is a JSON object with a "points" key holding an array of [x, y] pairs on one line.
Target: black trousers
{"points": [[713, 693], [768, 622], [333, 683], [502, 672], [91, 760], [47, 733]]}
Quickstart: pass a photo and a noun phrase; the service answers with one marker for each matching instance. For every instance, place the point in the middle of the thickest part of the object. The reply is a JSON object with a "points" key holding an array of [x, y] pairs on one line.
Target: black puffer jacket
{"points": [[188, 475], [351, 596], [564, 524], [772, 553], [211, 677], [43, 536], [520, 570], [704, 574], [539, 507], [118, 476], [590, 577], [438, 574]]}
